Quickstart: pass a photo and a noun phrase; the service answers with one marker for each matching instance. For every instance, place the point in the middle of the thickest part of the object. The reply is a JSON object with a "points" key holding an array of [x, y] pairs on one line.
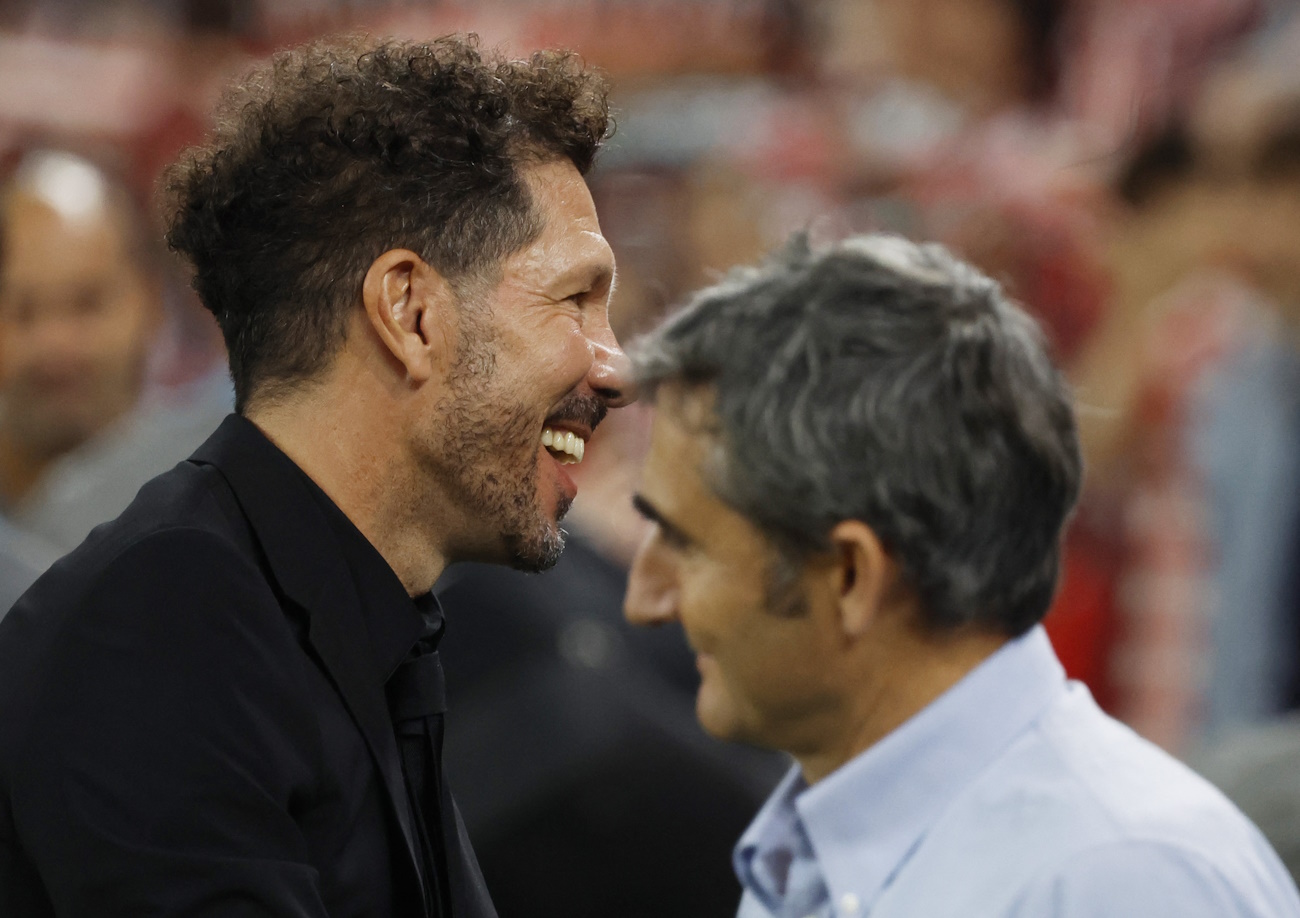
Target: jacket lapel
{"points": [[310, 570], [335, 634]]}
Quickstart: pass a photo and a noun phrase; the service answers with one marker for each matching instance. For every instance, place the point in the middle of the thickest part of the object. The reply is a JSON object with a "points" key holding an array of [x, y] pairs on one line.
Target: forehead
{"points": [[37, 238], [570, 238], [680, 445], [684, 445]]}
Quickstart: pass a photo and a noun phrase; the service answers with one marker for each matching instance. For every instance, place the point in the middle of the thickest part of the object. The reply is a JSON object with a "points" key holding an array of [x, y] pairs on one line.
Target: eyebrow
{"points": [[586, 277], [652, 513]]}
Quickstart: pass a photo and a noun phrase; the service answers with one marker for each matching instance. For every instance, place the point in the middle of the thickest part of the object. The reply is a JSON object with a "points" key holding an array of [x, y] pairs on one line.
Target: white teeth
{"points": [[565, 444]]}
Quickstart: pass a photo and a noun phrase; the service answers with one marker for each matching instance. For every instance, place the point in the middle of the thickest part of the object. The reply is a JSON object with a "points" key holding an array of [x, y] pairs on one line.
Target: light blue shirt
{"points": [[1010, 795]]}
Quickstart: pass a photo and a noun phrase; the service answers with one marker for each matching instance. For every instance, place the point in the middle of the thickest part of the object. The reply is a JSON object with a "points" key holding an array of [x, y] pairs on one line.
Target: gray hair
{"points": [[886, 382]]}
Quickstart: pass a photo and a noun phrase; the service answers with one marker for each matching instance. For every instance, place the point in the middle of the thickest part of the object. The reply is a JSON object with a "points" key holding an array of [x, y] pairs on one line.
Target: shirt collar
{"points": [[302, 532], [775, 827], [865, 819], [393, 620]]}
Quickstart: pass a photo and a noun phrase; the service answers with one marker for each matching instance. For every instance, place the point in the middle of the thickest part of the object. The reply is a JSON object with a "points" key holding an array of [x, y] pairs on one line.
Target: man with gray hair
{"points": [[861, 465]]}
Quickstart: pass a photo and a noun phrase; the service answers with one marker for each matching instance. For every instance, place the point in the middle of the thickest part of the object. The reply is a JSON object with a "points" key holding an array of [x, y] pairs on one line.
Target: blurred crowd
{"points": [[1129, 169]]}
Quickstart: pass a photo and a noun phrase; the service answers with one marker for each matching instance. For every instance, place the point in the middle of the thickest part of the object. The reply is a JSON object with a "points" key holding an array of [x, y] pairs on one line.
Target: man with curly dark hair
{"points": [[229, 700]]}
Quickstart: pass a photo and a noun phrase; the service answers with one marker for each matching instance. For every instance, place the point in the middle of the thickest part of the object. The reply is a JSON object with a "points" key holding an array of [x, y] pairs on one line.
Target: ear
{"points": [[864, 572], [406, 302]]}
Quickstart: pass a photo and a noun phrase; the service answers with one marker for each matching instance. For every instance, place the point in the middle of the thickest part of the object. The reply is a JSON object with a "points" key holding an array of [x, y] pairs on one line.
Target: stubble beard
{"points": [[486, 455]]}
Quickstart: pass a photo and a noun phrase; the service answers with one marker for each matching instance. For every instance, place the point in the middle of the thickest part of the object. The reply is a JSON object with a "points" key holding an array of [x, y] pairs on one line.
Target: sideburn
{"points": [[783, 592]]}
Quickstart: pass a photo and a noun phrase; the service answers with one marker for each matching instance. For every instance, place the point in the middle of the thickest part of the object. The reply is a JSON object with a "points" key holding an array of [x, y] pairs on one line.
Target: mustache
{"points": [[582, 409]]}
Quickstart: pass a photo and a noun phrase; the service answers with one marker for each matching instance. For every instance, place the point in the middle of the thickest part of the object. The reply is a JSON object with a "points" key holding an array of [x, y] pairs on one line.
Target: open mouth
{"points": [[566, 446]]}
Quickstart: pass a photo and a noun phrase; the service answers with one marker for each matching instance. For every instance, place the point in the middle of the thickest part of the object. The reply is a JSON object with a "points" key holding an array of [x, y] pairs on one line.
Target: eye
{"points": [[673, 538], [664, 531]]}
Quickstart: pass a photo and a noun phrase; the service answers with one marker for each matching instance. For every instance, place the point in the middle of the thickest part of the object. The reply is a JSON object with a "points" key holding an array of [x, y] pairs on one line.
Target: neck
{"points": [[898, 677], [339, 438]]}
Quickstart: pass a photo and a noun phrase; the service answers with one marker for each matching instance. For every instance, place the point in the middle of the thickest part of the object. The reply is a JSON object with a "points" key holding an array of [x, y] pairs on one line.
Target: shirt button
{"points": [[850, 904]]}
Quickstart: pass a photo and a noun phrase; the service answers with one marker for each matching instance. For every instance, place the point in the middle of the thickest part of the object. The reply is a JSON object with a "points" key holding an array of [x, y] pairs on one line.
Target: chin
{"points": [[717, 716], [537, 547], [535, 552]]}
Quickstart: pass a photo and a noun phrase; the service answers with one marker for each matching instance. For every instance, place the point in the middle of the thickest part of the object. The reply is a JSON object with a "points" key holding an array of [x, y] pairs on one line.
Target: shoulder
{"points": [[1079, 800], [1139, 790], [168, 598], [174, 658], [186, 518], [172, 592], [183, 536], [23, 558], [102, 478], [1144, 877]]}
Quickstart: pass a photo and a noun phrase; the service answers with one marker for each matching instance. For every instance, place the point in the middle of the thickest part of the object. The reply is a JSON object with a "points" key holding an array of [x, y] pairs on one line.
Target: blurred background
{"points": [[1129, 169]]}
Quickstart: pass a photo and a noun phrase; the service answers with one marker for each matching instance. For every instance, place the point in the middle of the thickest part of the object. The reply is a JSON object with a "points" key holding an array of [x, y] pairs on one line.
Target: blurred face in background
{"points": [[76, 312]]}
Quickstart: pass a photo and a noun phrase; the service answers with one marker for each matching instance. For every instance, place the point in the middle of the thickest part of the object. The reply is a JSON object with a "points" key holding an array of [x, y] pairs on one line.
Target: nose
{"points": [[651, 588], [610, 375]]}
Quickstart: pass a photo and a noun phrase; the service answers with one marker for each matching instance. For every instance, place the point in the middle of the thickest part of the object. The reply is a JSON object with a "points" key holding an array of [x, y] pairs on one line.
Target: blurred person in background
{"points": [[1195, 377], [861, 466], [80, 311], [1026, 192], [231, 699]]}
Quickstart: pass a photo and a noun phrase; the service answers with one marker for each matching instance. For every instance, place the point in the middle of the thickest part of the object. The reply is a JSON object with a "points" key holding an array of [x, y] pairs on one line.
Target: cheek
{"points": [[15, 350], [543, 363], [114, 334], [652, 585], [720, 609], [767, 658], [569, 353], [762, 686]]}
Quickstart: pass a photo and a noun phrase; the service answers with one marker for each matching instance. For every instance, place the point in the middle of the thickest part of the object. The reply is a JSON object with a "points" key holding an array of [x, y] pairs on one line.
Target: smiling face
{"points": [[766, 665], [535, 368]]}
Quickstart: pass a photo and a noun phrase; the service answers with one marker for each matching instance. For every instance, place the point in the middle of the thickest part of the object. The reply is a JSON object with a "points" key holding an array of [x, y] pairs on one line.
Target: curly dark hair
{"points": [[337, 151]]}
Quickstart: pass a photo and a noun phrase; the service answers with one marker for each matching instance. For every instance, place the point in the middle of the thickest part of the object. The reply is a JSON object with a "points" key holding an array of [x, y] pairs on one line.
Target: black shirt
{"points": [[400, 627]]}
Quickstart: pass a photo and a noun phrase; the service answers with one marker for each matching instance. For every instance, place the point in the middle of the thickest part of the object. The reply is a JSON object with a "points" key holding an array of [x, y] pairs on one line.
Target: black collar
{"points": [[302, 530]]}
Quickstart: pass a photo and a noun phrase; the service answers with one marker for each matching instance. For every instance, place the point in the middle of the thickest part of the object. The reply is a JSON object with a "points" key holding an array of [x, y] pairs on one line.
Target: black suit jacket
{"points": [[190, 719]]}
